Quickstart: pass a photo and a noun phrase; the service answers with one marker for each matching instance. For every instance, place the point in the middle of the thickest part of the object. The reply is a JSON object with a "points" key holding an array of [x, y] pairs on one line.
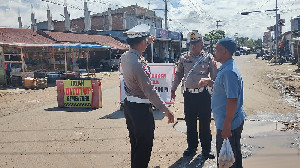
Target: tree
{"points": [[250, 43], [213, 37], [241, 41], [258, 43]]}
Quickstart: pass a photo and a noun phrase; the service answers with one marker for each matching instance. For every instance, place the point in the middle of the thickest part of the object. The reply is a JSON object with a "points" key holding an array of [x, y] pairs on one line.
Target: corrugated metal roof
{"points": [[85, 38], [22, 36], [84, 46], [28, 37]]}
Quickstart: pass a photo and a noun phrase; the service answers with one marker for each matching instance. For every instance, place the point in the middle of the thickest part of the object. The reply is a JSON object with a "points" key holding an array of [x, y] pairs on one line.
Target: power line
{"points": [[264, 4], [246, 9], [59, 3], [201, 11], [196, 11], [62, 4], [177, 22]]}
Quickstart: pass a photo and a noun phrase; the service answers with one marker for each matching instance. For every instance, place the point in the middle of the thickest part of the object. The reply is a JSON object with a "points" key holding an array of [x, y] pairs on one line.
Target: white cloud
{"points": [[185, 15]]}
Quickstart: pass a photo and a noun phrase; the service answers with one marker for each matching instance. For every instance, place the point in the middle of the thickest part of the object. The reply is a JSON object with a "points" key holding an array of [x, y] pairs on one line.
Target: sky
{"points": [[183, 15]]}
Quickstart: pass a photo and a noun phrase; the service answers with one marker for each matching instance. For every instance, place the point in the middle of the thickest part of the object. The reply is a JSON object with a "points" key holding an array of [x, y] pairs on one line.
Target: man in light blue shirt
{"points": [[227, 99]]}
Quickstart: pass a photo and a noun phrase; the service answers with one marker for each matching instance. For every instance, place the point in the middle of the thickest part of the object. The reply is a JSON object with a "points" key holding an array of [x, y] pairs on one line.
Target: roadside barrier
{"points": [[79, 93]]}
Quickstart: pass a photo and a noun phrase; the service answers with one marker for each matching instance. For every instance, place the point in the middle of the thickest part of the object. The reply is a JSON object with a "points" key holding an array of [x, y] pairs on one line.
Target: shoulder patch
{"points": [[215, 63]]}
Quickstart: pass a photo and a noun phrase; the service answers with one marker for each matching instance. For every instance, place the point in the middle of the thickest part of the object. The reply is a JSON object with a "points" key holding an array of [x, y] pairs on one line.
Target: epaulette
{"points": [[210, 56], [185, 54]]}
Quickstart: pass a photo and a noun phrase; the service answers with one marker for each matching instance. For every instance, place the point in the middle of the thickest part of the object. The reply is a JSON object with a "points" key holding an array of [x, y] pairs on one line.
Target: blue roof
{"points": [[85, 46]]}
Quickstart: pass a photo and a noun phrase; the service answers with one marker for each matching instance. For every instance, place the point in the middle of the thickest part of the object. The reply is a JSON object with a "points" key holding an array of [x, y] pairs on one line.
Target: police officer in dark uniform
{"points": [[197, 101], [140, 95]]}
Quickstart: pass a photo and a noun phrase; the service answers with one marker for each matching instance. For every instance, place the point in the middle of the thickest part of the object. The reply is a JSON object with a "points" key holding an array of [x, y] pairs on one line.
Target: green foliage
{"points": [[251, 43], [214, 36]]}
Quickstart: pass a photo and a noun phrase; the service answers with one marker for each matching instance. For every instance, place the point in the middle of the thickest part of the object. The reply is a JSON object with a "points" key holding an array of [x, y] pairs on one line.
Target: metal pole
{"points": [[276, 34], [152, 53], [110, 60], [2, 60], [23, 66], [53, 58], [66, 62], [166, 15], [218, 23]]}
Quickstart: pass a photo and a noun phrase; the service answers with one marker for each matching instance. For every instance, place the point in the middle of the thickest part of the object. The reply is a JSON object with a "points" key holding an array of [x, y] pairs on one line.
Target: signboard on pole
{"points": [[162, 76]]}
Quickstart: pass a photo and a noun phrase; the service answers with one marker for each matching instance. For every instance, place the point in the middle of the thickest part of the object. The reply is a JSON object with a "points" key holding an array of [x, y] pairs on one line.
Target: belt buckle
{"points": [[195, 90], [198, 90]]}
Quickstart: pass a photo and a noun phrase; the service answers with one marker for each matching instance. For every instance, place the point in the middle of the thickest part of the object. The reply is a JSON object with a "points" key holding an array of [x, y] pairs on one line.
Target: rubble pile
{"points": [[291, 125], [289, 86]]}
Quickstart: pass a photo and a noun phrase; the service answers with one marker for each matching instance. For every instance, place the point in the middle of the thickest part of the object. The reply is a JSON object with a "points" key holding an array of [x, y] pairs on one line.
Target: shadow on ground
{"points": [[120, 114], [69, 109], [189, 162]]}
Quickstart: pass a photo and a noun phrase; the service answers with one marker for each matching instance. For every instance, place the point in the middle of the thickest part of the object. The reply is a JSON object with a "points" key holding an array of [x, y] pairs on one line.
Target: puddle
{"points": [[265, 135], [262, 122], [295, 144], [273, 117]]}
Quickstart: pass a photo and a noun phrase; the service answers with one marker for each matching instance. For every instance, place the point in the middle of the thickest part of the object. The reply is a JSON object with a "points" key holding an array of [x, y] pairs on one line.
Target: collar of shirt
{"points": [[228, 62], [134, 51]]}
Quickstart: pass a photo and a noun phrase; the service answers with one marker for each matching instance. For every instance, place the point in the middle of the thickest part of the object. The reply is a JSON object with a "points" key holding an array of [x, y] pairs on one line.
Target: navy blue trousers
{"points": [[197, 106], [235, 141], [140, 124]]}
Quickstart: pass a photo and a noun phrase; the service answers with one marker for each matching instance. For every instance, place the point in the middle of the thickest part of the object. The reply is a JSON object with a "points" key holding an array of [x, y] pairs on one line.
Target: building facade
{"points": [[114, 23], [118, 19]]}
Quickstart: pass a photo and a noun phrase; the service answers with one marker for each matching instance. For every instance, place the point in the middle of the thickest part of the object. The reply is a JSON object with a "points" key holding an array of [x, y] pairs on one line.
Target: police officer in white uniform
{"points": [[140, 95], [197, 101]]}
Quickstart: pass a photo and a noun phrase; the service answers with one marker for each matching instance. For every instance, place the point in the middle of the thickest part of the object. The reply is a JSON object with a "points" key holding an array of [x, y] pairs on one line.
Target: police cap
{"points": [[141, 30], [137, 34], [194, 37]]}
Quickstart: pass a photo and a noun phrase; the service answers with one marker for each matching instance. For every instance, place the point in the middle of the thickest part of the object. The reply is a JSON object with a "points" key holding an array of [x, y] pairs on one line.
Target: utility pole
{"points": [[166, 15], [235, 38], [19, 19], [276, 34], [218, 23]]}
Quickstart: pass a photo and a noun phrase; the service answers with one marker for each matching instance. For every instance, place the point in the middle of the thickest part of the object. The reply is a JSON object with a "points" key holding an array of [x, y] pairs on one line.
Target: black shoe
{"points": [[190, 152], [206, 156]]}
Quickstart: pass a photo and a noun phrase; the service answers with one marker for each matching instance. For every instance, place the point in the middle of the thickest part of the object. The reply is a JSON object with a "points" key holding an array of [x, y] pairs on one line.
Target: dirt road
{"points": [[35, 133]]}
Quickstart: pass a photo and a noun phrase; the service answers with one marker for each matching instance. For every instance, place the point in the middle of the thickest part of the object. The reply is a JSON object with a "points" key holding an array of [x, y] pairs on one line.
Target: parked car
{"points": [[237, 53]]}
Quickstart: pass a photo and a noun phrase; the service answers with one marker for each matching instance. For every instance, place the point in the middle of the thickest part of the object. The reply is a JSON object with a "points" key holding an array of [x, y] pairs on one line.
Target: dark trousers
{"points": [[235, 141], [140, 124], [8, 81], [197, 106]]}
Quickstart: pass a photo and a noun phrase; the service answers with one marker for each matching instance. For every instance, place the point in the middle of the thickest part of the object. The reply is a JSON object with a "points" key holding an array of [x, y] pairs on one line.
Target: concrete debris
{"points": [[291, 126]]}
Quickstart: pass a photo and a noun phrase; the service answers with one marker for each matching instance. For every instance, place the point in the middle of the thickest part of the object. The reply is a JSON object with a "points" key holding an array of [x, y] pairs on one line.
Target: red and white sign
{"points": [[162, 76]]}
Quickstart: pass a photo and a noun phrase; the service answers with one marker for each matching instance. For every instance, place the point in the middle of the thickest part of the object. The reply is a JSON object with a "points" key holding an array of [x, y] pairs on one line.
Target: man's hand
{"points": [[170, 116], [226, 131], [173, 95], [205, 82]]}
